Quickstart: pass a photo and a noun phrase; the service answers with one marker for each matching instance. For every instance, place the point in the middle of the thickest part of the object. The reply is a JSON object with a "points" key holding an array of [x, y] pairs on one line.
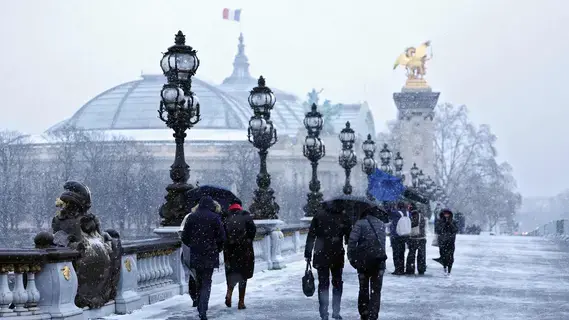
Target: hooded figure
{"points": [[327, 234], [238, 251], [204, 235], [446, 230]]}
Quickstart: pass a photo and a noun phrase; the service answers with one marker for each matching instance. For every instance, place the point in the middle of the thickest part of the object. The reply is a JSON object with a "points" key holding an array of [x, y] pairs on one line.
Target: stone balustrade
{"points": [[37, 284], [42, 283], [553, 229]]}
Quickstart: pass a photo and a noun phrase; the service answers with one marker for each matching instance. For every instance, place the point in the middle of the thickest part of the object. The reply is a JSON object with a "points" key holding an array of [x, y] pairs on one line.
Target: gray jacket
{"points": [[363, 235], [418, 220]]}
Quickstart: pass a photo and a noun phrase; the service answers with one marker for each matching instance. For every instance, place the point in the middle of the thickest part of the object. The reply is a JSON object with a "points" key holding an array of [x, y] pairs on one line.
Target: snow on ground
{"points": [[494, 277]]}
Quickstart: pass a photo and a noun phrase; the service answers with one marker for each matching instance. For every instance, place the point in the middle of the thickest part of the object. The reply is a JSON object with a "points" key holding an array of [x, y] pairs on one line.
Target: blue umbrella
{"points": [[385, 187]]}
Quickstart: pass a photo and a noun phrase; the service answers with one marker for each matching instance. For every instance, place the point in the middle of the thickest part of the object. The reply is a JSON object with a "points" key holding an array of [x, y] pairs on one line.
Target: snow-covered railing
{"points": [[37, 283], [553, 229], [42, 283]]}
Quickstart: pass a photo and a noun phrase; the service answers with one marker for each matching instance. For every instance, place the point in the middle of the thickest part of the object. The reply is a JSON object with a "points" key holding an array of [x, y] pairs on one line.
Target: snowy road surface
{"points": [[494, 277]]}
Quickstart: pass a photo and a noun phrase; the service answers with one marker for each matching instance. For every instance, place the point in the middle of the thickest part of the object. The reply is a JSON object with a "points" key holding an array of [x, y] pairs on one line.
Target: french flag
{"points": [[230, 14]]}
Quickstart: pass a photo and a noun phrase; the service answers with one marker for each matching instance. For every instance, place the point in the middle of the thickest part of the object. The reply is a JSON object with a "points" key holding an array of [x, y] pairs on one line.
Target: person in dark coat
{"points": [[238, 252], [371, 279], [417, 244], [446, 230], [398, 242], [328, 232], [205, 235]]}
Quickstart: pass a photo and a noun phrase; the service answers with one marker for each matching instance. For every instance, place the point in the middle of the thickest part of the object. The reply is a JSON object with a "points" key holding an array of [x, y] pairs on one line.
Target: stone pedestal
{"points": [[415, 130], [57, 284], [272, 245], [128, 299]]}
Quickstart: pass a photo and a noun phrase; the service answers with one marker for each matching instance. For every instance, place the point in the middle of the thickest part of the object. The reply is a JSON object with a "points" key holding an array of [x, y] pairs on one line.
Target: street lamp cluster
{"points": [[180, 110]]}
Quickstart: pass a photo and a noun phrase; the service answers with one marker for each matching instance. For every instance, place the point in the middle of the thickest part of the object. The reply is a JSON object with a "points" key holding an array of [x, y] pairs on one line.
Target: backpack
{"points": [[416, 227], [235, 229], [403, 225], [369, 258]]}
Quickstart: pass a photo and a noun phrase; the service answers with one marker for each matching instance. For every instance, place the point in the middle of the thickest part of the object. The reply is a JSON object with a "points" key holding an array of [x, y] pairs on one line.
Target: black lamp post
{"points": [[398, 161], [369, 165], [347, 158], [180, 110], [385, 156], [429, 186], [414, 171], [263, 135], [314, 150]]}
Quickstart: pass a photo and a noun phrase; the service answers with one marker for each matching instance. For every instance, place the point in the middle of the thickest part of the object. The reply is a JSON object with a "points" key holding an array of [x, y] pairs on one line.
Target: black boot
{"points": [[242, 290]]}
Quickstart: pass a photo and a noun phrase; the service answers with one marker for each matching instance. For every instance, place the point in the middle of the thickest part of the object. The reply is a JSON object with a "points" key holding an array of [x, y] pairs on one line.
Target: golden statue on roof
{"points": [[414, 59]]}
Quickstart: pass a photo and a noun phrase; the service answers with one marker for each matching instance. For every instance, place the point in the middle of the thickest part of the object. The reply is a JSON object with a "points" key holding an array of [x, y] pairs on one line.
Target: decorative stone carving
{"points": [[98, 268]]}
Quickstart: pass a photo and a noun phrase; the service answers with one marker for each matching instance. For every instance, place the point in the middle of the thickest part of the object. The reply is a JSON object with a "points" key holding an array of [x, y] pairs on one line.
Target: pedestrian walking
{"points": [[417, 243], [328, 232], [400, 229], [238, 252], [366, 253], [204, 235], [446, 230]]}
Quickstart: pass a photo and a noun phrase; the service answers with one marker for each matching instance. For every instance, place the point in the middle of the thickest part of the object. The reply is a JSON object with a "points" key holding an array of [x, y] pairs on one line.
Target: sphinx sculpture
{"points": [[98, 268]]}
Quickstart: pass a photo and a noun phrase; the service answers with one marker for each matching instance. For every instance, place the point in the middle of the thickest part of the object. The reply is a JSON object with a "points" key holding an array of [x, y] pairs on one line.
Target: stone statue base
{"points": [[272, 245], [416, 84]]}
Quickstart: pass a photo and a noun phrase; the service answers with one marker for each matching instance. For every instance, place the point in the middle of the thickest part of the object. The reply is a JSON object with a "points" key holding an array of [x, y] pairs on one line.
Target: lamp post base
{"points": [[175, 208]]}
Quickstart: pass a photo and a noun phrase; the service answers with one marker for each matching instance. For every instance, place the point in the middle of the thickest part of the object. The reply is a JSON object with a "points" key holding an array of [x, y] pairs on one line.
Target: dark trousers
{"points": [[446, 249], [193, 289], [369, 298], [417, 250], [398, 247], [324, 290], [203, 288]]}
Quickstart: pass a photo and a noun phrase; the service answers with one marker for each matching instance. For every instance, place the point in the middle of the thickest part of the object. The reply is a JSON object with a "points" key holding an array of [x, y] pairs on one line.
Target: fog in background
{"points": [[504, 59]]}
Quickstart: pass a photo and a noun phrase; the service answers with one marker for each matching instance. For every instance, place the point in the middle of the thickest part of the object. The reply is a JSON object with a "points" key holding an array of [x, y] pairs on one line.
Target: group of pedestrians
{"points": [[208, 231], [331, 229]]}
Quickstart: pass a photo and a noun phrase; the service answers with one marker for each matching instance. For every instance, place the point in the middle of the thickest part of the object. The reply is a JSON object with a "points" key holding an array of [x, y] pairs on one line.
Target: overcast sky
{"points": [[504, 59]]}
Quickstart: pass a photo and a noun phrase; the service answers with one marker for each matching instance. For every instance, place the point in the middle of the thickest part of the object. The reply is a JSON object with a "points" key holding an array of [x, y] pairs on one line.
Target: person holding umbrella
{"points": [[329, 230], [204, 235], [238, 251]]}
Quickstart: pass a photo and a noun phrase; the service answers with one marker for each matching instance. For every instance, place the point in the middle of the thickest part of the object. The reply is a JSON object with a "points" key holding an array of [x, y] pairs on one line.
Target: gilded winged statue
{"points": [[413, 59]]}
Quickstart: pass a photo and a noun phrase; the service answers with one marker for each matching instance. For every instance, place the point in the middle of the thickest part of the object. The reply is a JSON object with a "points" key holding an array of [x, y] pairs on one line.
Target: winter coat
{"points": [[238, 250], [417, 219], [446, 229], [327, 234], [394, 217], [363, 235], [204, 234]]}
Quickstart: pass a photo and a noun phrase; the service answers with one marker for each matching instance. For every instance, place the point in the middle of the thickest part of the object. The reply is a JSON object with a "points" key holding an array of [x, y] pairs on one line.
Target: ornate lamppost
{"points": [[347, 158], [263, 135], [314, 150], [414, 171], [429, 186], [180, 110], [369, 165], [385, 156], [398, 161]]}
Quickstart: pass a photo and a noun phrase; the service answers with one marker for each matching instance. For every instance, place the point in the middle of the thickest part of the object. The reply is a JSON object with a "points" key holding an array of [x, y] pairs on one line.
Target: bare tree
{"points": [[241, 165]]}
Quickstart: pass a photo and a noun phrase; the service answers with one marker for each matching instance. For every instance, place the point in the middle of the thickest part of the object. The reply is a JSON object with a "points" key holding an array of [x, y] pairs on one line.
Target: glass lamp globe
{"points": [[172, 97], [258, 124], [369, 145]]}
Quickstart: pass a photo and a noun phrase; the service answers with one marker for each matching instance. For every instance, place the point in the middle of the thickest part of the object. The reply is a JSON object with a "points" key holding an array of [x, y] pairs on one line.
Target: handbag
{"points": [[308, 286], [364, 258]]}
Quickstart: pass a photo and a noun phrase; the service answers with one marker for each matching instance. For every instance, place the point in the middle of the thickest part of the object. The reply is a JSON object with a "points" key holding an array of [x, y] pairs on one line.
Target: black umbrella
{"points": [[349, 203], [223, 196]]}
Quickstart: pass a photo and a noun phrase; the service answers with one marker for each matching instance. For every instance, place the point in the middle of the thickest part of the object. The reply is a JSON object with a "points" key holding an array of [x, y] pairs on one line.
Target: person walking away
{"points": [[328, 232], [400, 229], [192, 286], [417, 244], [238, 252], [446, 230], [367, 244], [204, 234]]}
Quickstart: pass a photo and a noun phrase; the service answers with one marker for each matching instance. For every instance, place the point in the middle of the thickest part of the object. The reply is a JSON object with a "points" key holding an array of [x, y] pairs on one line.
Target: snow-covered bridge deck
{"points": [[494, 277]]}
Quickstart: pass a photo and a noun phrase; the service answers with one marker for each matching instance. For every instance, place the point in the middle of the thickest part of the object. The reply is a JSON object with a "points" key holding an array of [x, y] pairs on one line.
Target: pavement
{"points": [[494, 277]]}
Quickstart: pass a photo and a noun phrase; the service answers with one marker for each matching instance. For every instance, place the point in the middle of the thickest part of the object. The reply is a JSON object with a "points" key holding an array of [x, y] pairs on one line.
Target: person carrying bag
{"points": [[308, 286], [366, 253]]}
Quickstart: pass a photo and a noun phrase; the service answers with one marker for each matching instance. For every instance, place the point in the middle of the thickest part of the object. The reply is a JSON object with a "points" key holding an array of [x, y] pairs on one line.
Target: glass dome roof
{"points": [[133, 105]]}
